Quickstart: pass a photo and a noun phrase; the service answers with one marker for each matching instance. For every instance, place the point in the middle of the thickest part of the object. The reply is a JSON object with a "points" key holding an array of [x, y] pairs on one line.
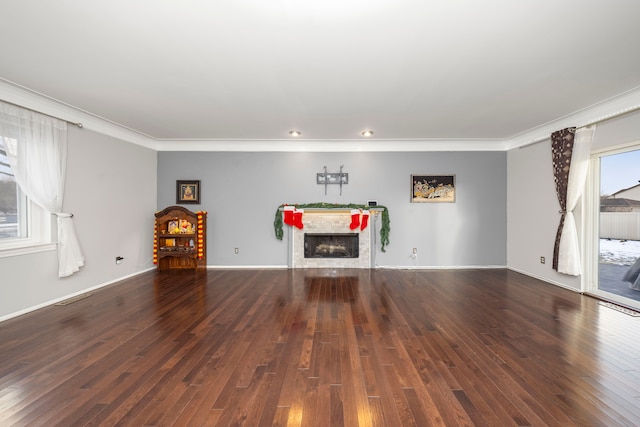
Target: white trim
{"points": [[544, 279], [274, 267], [614, 298], [38, 224], [332, 145], [83, 291], [591, 226], [250, 267], [27, 249], [616, 149], [380, 267], [443, 267], [19, 95], [599, 112], [607, 109], [591, 222]]}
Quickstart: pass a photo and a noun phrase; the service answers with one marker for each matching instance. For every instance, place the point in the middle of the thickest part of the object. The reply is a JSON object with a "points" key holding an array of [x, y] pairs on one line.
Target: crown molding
{"points": [[320, 145], [610, 108], [613, 107], [19, 95], [27, 98]]}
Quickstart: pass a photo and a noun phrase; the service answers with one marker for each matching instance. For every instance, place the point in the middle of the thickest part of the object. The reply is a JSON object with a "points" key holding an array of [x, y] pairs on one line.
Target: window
{"points": [[11, 224], [613, 248], [24, 227]]}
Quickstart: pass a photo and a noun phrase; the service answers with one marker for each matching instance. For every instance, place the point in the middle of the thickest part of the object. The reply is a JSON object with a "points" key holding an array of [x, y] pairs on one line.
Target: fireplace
{"points": [[331, 245], [357, 252]]}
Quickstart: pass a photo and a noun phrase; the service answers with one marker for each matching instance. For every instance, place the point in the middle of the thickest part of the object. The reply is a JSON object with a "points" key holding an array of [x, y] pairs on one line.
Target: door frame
{"points": [[591, 226]]}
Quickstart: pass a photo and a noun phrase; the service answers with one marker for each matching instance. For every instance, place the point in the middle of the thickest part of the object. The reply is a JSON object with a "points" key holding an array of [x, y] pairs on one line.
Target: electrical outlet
{"points": [[542, 260], [236, 251], [415, 251]]}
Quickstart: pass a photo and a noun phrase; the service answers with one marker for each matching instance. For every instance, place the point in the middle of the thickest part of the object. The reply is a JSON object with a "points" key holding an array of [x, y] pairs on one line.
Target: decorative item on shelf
{"points": [[327, 178], [155, 244], [200, 234], [385, 226], [185, 227]]}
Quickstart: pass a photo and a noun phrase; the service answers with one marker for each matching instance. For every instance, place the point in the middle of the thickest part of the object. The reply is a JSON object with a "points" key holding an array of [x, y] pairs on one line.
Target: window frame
{"points": [[591, 224], [36, 227]]}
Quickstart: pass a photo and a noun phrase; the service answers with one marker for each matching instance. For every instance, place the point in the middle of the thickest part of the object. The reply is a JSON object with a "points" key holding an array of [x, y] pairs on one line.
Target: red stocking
{"points": [[297, 218], [355, 219], [365, 220], [288, 214]]}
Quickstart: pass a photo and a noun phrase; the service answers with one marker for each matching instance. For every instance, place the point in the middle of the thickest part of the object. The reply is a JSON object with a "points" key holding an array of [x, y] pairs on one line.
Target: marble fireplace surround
{"points": [[337, 221]]}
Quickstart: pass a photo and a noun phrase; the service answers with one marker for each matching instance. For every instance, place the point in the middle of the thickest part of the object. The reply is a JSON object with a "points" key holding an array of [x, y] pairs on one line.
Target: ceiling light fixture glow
{"points": [[295, 133], [366, 133]]}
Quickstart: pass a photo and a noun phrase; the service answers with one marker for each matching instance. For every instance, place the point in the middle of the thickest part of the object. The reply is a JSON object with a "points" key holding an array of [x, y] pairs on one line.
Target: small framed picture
{"points": [[433, 188], [187, 192], [173, 227]]}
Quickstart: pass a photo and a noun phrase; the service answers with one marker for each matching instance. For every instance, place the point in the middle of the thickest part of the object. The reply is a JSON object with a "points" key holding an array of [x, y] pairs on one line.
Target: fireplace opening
{"points": [[326, 245]]}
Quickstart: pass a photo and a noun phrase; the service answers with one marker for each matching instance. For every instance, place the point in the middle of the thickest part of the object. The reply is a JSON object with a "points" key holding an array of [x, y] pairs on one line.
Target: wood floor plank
{"points": [[323, 347], [210, 389], [356, 403]]}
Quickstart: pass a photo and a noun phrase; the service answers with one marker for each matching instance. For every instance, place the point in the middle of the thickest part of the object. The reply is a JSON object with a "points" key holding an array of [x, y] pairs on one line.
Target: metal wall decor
{"points": [[325, 178]]}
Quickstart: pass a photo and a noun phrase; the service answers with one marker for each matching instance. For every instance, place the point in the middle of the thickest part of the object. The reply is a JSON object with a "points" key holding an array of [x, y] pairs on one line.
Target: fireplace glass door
{"points": [[325, 245]]}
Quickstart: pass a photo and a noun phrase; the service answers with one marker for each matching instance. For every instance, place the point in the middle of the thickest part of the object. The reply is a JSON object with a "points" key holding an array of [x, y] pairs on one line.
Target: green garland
{"points": [[384, 228]]}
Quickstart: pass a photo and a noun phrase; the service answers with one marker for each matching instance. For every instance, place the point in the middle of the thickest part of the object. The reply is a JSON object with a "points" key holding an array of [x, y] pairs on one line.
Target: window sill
{"points": [[27, 249]]}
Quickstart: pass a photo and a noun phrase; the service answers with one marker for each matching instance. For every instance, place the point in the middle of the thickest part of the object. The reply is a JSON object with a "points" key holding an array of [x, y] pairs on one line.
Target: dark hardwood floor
{"points": [[323, 348]]}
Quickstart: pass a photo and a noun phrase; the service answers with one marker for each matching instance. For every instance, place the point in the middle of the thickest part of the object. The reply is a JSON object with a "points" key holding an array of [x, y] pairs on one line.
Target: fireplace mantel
{"points": [[337, 211], [336, 221], [310, 210]]}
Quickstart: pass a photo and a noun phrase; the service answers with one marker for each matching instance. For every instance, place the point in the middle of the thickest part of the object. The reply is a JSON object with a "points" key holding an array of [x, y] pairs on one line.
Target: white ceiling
{"points": [[255, 69]]}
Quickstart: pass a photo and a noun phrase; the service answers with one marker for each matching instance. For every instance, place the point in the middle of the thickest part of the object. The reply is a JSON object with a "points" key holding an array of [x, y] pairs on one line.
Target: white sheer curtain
{"points": [[36, 147], [569, 250]]}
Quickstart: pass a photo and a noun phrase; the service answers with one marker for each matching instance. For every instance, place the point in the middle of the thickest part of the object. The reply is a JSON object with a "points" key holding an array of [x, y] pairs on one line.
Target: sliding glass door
{"points": [[614, 221]]}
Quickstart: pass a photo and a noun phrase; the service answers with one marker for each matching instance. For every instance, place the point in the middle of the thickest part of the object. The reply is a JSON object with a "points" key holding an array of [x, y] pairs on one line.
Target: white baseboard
{"points": [[84, 291], [248, 267], [282, 267], [437, 267], [544, 279], [381, 267]]}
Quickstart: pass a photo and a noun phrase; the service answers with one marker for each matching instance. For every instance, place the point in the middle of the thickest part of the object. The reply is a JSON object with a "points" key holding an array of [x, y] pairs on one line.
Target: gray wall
{"points": [[241, 191], [111, 190], [533, 205], [533, 214]]}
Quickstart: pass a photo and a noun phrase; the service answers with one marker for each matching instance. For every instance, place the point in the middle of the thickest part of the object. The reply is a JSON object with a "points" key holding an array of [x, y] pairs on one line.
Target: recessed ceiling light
{"points": [[295, 133], [366, 133]]}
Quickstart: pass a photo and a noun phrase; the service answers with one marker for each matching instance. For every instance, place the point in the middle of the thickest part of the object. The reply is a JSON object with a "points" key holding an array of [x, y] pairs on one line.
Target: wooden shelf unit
{"points": [[178, 243]]}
